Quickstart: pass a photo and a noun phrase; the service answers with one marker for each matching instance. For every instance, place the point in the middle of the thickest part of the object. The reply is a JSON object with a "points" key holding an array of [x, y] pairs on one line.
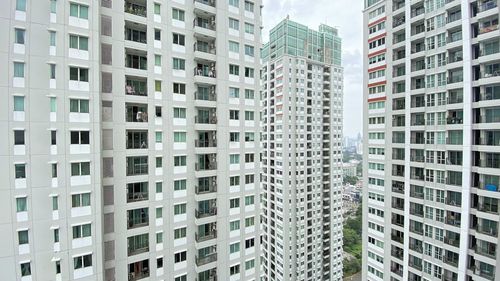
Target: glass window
{"points": [[180, 209], [234, 3], [249, 6], [234, 248], [23, 237], [234, 24], [249, 28], [177, 14], [249, 50], [179, 112], [249, 94], [19, 36], [18, 103], [179, 39], [180, 233], [234, 225], [21, 6], [19, 69], [179, 136], [52, 38], [79, 11], [179, 161], [179, 64], [53, 6], [234, 92], [21, 204], [25, 269], [159, 212], [180, 185], [157, 9], [234, 47]]}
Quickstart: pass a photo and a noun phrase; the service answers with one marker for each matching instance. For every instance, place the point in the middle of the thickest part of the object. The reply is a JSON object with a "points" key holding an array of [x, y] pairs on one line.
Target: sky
{"points": [[346, 15]]}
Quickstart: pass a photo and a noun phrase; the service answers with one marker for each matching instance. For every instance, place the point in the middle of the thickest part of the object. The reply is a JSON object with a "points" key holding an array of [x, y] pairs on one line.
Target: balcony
{"points": [[136, 59], [490, 229], [199, 237], [206, 185], [137, 165], [489, 26], [206, 116], [206, 259], [206, 139], [488, 5], [452, 241], [206, 162], [487, 272], [137, 244], [210, 3], [136, 86], [207, 23], [205, 93], [138, 270], [488, 249], [137, 192], [136, 112], [208, 275], [490, 207], [136, 7], [137, 139], [205, 70], [451, 259], [136, 32], [204, 47], [137, 218], [206, 208]]}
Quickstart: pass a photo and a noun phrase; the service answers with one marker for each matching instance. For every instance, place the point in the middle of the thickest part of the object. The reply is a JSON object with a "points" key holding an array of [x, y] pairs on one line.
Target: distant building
{"points": [[349, 169]]}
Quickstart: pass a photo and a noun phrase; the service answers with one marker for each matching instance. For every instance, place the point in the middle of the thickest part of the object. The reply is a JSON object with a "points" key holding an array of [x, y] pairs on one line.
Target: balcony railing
{"points": [[487, 6], [135, 9], [205, 189], [205, 71], [486, 251], [487, 29], [137, 196], [207, 236], [204, 47], [206, 166], [206, 259], [199, 214], [452, 241], [206, 119], [206, 2]]}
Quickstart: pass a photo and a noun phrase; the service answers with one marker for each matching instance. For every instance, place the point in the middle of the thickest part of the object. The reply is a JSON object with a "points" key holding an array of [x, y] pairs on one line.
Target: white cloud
{"points": [[346, 15]]}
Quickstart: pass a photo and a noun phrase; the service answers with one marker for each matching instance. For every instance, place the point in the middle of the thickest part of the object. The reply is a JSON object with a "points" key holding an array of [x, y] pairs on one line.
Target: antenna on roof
{"points": [[288, 16]]}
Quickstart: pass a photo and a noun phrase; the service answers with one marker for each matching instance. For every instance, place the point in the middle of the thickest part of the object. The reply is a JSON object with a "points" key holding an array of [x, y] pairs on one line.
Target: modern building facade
{"points": [[132, 140], [431, 131], [302, 153]]}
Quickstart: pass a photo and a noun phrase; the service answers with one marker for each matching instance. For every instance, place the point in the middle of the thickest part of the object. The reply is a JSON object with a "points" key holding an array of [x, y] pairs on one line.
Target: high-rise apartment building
{"points": [[131, 146], [302, 153], [432, 140]]}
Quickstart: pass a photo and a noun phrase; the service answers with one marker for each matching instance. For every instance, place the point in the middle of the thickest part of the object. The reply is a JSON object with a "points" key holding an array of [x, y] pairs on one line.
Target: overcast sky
{"points": [[347, 17]]}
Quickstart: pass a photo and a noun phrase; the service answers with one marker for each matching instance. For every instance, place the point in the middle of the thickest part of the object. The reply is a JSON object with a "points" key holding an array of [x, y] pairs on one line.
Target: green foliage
{"points": [[350, 180], [352, 243]]}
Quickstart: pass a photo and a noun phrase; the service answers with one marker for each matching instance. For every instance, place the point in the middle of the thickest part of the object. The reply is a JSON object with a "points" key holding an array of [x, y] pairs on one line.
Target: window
{"points": [[249, 115], [78, 74], [157, 9], [234, 181], [80, 169], [20, 171], [249, 50], [234, 136], [249, 72], [249, 94], [55, 203], [179, 88], [78, 42], [179, 161], [234, 115], [234, 248], [235, 269], [159, 262], [234, 159], [177, 14], [249, 221], [249, 28], [159, 162], [179, 112], [157, 85], [19, 69], [79, 106], [249, 179], [234, 24], [234, 92], [181, 278], [249, 136], [249, 6], [53, 104], [234, 47], [249, 158], [80, 200], [157, 34], [179, 64], [180, 209], [180, 233], [180, 185], [52, 38], [19, 35], [234, 203], [56, 235], [249, 200], [82, 261], [180, 257], [81, 231], [79, 11], [80, 137], [23, 237], [21, 204], [19, 137], [25, 267], [179, 136], [159, 212], [158, 137], [159, 187], [249, 243], [249, 264], [234, 225], [21, 6], [179, 39], [234, 69], [157, 60], [52, 70], [234, 3]]}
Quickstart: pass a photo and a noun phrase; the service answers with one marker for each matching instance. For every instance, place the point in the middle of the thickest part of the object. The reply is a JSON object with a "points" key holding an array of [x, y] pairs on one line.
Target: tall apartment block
{"points": [[131, 140], [301, 142], [432, 135]]}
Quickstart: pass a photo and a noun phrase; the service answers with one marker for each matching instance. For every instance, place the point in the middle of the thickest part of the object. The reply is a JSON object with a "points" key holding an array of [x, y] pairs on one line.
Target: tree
{"points": [[350, 180]]}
